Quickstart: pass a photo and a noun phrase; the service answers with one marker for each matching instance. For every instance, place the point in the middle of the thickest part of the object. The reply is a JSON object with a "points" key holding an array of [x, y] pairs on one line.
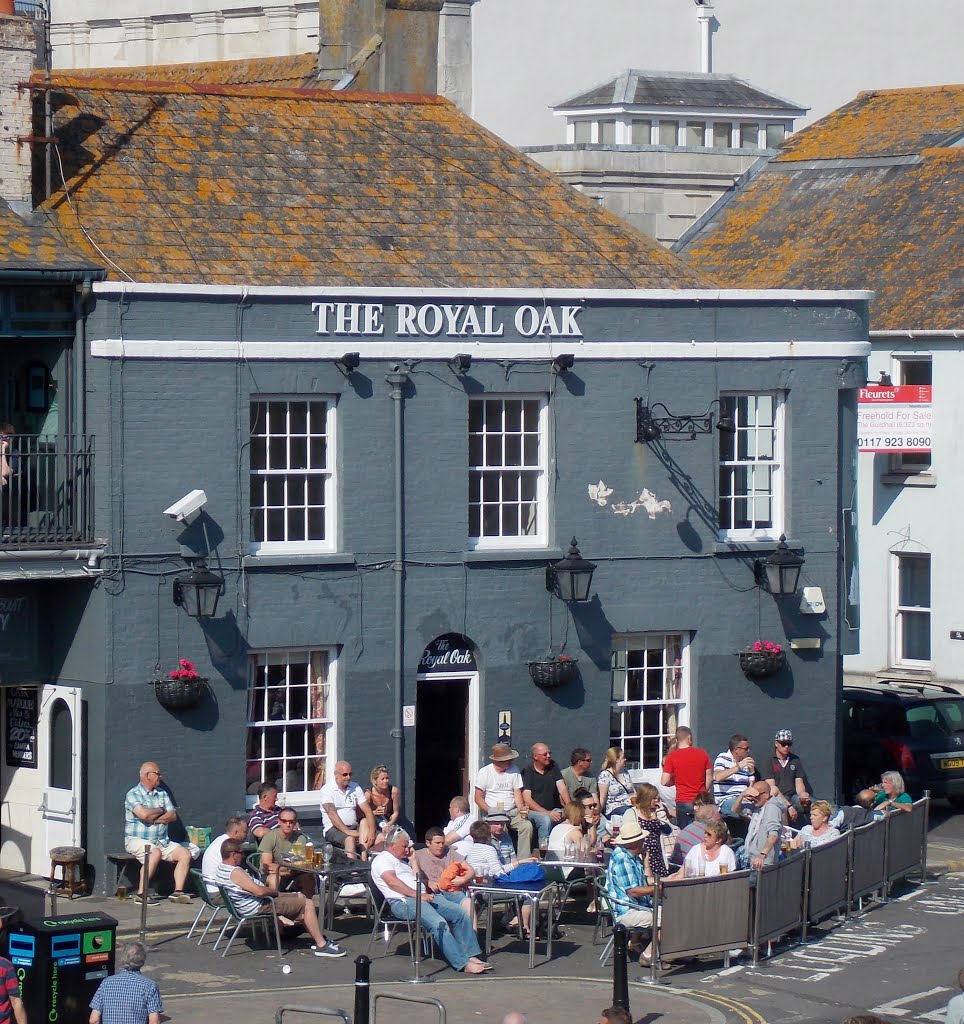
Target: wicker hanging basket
{"points": [[553, 672], [761, 664], [178, 694]]}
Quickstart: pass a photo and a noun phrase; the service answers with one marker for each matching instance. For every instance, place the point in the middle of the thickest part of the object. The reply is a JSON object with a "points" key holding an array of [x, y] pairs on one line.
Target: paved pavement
{"points": [[249, 986]]}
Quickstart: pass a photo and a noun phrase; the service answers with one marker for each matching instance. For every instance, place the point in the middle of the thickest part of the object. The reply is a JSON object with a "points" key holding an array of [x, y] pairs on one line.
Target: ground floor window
{"points": [[650, 695], [290, 720]]}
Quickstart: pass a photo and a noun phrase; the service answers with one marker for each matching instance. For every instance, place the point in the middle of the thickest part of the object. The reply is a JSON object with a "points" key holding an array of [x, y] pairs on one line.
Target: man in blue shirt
{"points": [[127, 997], [630, 893]]}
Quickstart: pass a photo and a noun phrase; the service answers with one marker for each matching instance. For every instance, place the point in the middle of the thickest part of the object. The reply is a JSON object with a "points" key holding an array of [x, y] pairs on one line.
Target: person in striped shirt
{"points": [[734, 771]]}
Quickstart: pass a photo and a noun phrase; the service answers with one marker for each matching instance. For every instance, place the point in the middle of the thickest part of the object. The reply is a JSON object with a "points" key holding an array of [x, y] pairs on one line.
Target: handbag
{"points": [[524, 874]]}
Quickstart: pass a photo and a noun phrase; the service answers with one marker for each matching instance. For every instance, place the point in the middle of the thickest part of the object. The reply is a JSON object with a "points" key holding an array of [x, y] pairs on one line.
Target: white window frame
{"points": [[328, 473], [321, 662], [903, 462], [901, 612], [777, 463], [676, 681], [540, 538]]}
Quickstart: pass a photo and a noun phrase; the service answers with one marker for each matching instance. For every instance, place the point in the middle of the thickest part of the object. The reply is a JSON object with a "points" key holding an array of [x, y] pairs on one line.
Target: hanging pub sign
{"points": [[450, 652], [894, 418], [20, 705]]}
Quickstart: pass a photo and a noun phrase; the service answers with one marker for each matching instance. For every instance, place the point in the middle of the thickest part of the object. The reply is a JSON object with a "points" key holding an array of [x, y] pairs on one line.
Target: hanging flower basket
{"points": [[552, 672], [180, 688], [761, 659]]}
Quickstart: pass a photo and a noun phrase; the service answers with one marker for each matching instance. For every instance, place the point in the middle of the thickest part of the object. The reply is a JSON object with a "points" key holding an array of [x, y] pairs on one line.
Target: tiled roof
{"points": [[856, 201], [30, 244], [681, 89], [293, 72], [223, 184]]}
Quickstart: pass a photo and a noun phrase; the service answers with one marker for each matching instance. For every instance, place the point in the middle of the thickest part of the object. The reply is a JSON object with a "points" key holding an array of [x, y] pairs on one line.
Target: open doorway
{"points": [[446, 728], [441, 757]]}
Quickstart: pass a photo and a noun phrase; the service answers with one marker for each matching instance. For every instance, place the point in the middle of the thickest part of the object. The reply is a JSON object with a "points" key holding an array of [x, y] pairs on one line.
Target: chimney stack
{"points": [[21, 51], [380, 45]]}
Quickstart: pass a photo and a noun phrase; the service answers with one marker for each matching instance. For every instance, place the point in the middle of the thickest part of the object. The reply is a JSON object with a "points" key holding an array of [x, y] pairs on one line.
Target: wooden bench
{"points": [[120, 863]]}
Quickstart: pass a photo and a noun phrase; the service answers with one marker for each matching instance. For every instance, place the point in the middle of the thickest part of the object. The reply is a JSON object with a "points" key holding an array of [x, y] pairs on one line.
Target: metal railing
{"points": [[48, 497], [30, 9]]}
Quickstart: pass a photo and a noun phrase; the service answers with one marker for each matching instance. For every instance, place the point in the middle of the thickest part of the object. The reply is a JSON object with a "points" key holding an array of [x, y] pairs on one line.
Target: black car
{"points": [[915, 729]]}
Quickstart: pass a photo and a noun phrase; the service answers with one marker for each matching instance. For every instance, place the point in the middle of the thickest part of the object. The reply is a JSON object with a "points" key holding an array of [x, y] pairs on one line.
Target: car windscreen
{"points": [[935, 718]]}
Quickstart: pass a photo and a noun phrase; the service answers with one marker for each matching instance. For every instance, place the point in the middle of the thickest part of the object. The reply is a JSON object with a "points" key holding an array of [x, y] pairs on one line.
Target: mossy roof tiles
{"points": [[857, 200], [295, 186]]}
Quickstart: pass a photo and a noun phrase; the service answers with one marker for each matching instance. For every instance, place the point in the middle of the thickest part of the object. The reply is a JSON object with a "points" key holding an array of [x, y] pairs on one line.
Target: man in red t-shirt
{"points": [[11, 1005], [688, 768]]}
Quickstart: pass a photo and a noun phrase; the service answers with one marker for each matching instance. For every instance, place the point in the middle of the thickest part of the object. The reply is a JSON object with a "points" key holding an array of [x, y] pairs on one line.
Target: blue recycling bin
{"points": [[60, 962]]}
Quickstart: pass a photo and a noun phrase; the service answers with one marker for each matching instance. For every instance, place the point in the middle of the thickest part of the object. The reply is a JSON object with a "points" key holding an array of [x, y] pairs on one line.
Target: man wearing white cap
{"points": [[498, 788], [787, 777]]}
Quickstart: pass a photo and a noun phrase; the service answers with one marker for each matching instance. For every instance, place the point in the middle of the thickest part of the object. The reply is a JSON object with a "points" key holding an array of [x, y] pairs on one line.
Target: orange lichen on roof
{"points": [[234, 184], [296, 71], [30, 244], [885, 122], [894, 228]]}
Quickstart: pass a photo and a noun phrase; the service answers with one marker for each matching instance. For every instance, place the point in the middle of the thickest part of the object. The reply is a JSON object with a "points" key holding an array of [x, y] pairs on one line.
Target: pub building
{"points": [[402, 475]]}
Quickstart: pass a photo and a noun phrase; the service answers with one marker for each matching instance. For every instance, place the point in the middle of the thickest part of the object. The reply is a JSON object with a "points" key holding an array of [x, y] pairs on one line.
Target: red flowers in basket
{"points": [[765, 647], [185, 672]]}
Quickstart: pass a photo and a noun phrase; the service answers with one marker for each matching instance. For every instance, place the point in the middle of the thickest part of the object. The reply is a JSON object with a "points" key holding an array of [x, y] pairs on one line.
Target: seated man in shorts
{"points": [[251, 896], [148, 811], [346, 815]]}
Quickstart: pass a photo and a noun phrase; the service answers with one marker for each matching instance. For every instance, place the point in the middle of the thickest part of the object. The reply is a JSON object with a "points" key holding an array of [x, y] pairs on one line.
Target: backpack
{"points": [[524, 874]]}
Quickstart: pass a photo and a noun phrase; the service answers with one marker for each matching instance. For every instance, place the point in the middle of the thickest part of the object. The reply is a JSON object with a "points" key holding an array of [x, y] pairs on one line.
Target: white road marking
{"points": [[896, 1007]]}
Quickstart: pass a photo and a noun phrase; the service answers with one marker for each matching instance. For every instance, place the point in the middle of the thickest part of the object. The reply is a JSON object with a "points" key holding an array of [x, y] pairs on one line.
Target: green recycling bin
{"points": [[60, 961]]}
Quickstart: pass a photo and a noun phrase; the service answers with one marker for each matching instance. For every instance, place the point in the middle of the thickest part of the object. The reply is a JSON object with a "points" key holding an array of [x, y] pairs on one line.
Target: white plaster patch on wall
{"points": [[599, 493]]}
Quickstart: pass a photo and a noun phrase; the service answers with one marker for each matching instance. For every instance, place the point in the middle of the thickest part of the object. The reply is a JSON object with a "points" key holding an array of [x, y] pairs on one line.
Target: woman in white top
{"points": [[712, 857], [566, 840], [819, 831], [616, 788]]}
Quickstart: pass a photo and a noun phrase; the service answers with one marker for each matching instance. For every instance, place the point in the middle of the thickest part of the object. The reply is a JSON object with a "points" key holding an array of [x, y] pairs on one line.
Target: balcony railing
{"points": [[48, 498]]}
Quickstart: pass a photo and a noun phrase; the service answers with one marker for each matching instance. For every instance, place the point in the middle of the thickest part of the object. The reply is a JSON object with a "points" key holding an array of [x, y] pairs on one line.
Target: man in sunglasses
{"points": [[577, 776], [787, 777]]}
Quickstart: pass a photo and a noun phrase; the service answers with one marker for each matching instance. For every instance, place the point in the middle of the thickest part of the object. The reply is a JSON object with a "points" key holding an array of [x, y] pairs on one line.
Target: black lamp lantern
{"points": [[198, 592], [570, 577], [782, 569]]}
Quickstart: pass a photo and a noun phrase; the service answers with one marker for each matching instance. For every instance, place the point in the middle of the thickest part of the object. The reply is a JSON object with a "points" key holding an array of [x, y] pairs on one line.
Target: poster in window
{"points": [[20, 703]]}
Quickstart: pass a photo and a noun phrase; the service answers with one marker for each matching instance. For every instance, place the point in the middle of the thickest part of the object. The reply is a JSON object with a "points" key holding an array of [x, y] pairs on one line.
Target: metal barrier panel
{"points": [[779, 898], [317, 1011], [829, 878], [399, 998], [905, 840], [868, 866], [704, 915]]}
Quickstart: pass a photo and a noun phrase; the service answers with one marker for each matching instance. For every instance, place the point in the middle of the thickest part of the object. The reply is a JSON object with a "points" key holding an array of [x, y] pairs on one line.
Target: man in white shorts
{"points": [[498, 789], [346, 815], [148, 811]]}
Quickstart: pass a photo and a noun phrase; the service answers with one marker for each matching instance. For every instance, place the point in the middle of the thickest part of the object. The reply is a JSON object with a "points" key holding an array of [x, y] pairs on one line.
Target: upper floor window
{"points": [[913, 609], [607, 132], [291, 719], [507, 472], [776, 133], [668, 133], [582, 131], [292, 475], [912, 370], [749, 135], [751, 463], [722, 134]]}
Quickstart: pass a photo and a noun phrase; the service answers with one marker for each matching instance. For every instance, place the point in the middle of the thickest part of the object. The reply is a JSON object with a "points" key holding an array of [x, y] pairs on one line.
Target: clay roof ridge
{"points": [[134, 86]]}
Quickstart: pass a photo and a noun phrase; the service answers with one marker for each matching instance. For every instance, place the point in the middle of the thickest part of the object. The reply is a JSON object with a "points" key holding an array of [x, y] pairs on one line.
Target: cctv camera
{"points": [[185, 510]]}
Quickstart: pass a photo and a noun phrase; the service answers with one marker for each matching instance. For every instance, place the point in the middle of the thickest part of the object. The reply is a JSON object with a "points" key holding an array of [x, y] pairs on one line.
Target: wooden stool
{"points": [[70, 860]]}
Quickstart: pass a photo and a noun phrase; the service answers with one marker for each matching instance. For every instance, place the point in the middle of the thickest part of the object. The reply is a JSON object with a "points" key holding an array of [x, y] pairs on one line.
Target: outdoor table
{"points": [[332, 877], [533, 893]]}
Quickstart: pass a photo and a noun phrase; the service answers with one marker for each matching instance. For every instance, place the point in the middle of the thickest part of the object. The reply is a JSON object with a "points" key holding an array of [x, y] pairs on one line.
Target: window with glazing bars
{"points": [[751, 486], [290, 720], [507, 471], [650, 689], [292, 459]]}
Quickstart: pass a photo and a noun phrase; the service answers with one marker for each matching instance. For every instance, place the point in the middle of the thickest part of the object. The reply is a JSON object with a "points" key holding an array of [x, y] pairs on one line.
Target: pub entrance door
{"points": [[446, 728]]}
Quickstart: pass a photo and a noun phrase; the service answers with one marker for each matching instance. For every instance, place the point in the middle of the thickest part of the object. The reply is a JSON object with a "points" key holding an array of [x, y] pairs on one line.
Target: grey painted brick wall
{"points": [[165, 427]]}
